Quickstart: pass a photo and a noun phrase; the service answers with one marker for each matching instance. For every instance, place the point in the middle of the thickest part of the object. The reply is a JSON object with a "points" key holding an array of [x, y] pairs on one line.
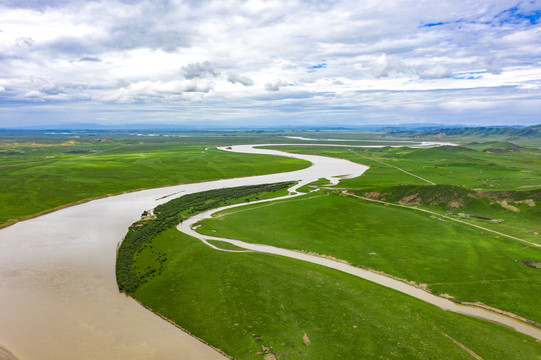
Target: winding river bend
{"points": [[58, 292]]}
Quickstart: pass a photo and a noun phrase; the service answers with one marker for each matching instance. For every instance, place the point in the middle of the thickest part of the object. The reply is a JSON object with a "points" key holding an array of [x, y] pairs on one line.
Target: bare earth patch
{"points": [[529, 202], [372, 195], [453, 204], [409, 200], [305, 340], [508, 206], [534, 264]]}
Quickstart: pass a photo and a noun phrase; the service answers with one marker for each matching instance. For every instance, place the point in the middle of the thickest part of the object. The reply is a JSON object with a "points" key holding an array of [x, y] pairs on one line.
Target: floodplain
{"points": [[348, 222], [458, 221], [41, 172]]}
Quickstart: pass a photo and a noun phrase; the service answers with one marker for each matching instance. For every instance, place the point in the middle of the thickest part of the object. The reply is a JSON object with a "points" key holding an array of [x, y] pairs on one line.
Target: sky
{"points": [[270, 63]]}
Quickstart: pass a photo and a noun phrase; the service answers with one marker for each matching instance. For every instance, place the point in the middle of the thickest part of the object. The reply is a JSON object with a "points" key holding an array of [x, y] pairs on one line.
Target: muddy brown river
{"points": [[58, 292]]}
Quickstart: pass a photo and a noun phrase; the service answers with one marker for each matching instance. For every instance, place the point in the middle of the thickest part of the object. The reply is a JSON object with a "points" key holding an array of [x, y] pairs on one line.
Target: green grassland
{"points": [[528, 136], [463, 184], [43, 173], [461, 166], [467, 263], [250, 304]]}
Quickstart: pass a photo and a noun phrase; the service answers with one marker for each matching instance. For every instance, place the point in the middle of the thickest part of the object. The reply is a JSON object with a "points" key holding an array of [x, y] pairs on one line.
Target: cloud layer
{"points": [[270, 62]]}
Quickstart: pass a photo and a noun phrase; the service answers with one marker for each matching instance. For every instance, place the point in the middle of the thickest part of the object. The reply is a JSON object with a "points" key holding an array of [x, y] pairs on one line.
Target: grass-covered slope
{"points": [[529, 135], [515, 213], [251, 305], [487, 132], [503, 186], [447, 165]]}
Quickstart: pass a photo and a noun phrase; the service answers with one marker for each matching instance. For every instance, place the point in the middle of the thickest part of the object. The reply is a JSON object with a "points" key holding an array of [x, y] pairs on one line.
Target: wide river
{"points": [[58, 292]]}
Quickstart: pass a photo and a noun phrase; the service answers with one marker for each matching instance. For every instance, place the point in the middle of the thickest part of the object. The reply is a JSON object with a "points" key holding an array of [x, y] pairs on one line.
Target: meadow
{"points": [[447, 257], [45, 172], [253, 305], [260, 304], [472, 166], [466, 263], [503, 186]]}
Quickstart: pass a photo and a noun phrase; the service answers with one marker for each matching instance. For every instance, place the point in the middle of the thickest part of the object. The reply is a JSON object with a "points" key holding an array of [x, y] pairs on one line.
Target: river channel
{"points": [[58, 292]]}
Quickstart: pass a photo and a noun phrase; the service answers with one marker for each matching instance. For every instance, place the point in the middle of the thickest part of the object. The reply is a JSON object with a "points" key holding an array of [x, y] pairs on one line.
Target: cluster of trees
{"points": [[169, 215]]}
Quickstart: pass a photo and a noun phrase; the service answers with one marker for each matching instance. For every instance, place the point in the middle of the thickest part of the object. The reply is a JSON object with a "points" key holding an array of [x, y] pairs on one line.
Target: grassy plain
{"points": [[467, 263], [465, 186], [251, 304], [40, 173], [461, 166]]}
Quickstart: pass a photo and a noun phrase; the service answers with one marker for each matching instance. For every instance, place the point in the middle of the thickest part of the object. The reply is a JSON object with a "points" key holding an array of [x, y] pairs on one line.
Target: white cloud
{"points": [[436, 72], [150, 90], [236, 54]]}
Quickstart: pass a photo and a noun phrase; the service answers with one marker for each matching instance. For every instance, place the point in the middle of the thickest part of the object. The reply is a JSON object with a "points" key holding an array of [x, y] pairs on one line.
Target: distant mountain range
{"points": [[509, 132], [411, 129], [219, 126]]}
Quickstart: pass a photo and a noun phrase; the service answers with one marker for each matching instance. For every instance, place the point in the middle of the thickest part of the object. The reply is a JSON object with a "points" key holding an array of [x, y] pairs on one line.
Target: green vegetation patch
{"points": [[498, 191], [447, 196], [225, 245], [525, 136], [251, 305], [449, 257], [37, 176], [313, 185], [446, 165], [134, 266], [496, 146], [516, 213]]}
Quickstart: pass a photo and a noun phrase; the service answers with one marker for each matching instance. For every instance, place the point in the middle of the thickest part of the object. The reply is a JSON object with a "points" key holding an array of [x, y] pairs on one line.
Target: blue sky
{"points": [[270, 63]]}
